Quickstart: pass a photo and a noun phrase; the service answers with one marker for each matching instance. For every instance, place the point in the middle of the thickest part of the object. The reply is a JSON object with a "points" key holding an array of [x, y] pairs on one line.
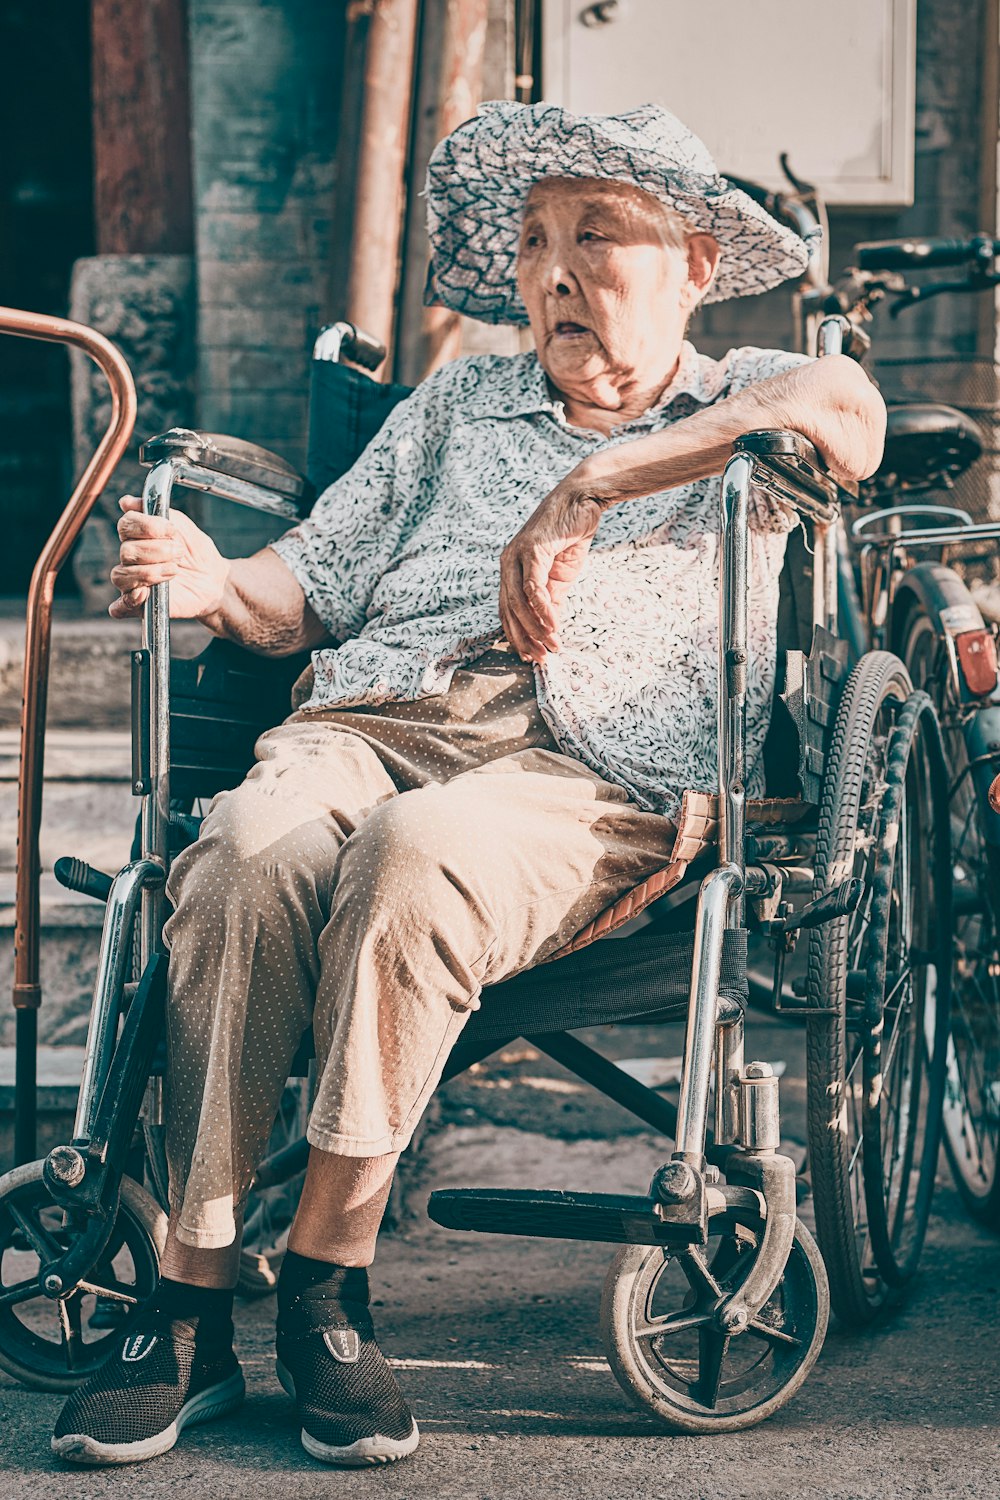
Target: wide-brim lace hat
{"points": [[479, 178]]}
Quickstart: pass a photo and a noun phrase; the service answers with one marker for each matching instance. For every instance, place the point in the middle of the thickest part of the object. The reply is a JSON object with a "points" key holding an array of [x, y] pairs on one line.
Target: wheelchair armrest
{"points": [[232, 469], [790, 466]]}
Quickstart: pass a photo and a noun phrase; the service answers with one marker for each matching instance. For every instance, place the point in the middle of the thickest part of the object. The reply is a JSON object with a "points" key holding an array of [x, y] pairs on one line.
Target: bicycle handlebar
{"points": [[922, 254]]}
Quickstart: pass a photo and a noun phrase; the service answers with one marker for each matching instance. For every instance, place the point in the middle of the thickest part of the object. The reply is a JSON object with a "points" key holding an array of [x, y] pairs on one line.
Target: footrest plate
{"points": [[615, 1218]]}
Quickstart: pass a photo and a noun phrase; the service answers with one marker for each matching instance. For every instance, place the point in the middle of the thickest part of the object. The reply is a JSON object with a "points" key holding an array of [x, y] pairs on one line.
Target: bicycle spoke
{"points": [[69, 1328], [114, 1293], [772, 1335], [44, 1246], [22, 1291], [712, 1349], [673, 1323]]}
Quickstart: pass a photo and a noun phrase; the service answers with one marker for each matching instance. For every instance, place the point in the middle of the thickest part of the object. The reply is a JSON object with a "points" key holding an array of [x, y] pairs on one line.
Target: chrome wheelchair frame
{"points": [[765, 1278]]}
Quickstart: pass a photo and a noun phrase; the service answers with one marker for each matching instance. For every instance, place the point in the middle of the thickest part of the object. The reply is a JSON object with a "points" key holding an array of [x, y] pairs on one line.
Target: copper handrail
{"points": [[37, 643]]}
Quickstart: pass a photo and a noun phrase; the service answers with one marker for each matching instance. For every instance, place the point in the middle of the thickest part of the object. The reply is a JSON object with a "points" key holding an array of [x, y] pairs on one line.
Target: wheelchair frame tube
{"points": [[155, 821], [733, 657], [717, 901], [116, 948]]}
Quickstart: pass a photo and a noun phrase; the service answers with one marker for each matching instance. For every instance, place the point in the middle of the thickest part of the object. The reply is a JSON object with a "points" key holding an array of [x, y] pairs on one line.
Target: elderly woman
{"points": [[512, 605]]}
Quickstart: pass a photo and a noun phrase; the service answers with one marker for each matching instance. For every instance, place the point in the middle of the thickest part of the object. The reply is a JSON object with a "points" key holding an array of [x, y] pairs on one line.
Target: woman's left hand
{"points": [[540, 562]]}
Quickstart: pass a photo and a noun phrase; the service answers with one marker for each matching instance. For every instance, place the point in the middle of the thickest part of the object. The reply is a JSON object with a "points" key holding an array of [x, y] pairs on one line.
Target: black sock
{"points": [[304, 1280], [208, 1308]]}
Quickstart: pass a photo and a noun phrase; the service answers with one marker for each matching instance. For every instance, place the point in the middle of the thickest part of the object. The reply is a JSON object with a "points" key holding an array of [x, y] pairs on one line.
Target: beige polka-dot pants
{"points": [[371, 874]]}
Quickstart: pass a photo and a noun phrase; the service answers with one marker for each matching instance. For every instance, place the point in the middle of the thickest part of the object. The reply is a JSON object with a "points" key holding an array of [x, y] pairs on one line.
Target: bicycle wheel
{"points": [[972, 1089], [877, 981]]}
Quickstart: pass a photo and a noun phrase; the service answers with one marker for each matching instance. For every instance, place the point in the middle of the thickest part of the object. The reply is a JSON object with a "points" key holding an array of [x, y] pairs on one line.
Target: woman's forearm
{"points": [[831, 401], [264, 608]]}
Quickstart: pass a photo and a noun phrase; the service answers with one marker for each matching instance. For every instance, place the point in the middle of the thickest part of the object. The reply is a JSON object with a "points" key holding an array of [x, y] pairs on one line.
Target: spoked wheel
{"points": [[54, 1345], [662, 1342], [972, 1087], [878, 983]]}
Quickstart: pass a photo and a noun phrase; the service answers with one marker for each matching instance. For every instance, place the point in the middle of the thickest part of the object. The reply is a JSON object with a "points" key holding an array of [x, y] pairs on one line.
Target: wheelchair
{"points": [[716, 1303]]}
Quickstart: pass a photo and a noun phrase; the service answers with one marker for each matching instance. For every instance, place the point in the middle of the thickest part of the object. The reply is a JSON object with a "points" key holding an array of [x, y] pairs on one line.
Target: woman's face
{"points": [[609, 279]]}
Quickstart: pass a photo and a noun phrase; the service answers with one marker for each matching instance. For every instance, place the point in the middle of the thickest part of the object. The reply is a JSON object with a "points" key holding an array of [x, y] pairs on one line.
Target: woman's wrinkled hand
{"points": [[157, 550], [540, 562]]}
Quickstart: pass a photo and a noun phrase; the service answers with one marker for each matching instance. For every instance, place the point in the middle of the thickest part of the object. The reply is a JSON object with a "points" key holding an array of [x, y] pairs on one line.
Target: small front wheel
{"points": [[53, 1345], [658, 1322]]}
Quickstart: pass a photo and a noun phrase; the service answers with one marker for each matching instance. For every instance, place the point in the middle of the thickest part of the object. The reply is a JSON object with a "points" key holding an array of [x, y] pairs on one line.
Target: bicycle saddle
{"points": [[927, 446]]}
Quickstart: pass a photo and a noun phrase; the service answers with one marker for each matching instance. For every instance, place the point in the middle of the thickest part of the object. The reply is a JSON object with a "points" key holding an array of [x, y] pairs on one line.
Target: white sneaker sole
{"points": [[361, 1454], [215, 1401]]}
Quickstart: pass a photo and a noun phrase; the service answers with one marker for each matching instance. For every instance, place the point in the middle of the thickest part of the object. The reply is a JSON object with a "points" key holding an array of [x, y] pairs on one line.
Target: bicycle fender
{"points": [[939, 593]]}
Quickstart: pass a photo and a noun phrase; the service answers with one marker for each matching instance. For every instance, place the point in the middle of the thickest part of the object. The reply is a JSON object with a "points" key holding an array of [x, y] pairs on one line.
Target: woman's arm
{"points": [[831, 401], [255, 601]]}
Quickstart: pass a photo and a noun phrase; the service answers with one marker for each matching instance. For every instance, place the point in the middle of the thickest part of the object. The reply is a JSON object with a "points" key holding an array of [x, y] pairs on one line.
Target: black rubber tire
{"points": [[25, 1353], [800, 1303], [863, 1270], [975, 1164]]}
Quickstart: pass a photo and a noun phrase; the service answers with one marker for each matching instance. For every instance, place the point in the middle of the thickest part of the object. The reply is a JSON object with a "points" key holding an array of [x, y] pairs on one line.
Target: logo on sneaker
{"points": [[138, 1346], [344, 1344]]}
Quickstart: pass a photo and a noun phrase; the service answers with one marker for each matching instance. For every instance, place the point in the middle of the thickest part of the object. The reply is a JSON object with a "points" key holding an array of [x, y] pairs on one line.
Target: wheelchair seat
{"points": [[236, 458], [927, 446]]}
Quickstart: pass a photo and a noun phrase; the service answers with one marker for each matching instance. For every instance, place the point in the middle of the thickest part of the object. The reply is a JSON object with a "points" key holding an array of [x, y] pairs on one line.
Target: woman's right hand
{"points": [[155, 550]]}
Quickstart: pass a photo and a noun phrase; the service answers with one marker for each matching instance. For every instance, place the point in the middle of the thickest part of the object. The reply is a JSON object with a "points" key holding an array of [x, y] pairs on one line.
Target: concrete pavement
{"points": [[497, 1343]]}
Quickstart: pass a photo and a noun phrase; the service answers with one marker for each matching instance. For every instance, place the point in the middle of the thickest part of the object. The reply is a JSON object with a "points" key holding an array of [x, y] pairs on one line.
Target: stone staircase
{"points": [[87, 811]]}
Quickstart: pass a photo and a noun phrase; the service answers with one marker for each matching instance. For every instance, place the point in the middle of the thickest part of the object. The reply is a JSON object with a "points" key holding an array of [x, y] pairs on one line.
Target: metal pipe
{"points": [[728, 1070], [720, 893], [38, 638], [115, 952], [379, 168], [733, 657], [155, 822], [448, 88]]}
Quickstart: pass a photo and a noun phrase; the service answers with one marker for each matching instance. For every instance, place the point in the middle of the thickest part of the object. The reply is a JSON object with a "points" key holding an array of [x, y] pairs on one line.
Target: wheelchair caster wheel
{"points": [[53, 1345], [668, 1354]]}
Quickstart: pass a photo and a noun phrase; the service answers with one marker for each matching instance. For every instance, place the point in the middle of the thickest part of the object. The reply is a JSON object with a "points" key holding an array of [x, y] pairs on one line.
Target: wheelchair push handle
{"points": [[925, 254], [344, 341]]}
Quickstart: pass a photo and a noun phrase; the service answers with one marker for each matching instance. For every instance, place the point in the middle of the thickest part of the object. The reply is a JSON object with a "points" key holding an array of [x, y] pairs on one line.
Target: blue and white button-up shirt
{"points": [[400, 560]]}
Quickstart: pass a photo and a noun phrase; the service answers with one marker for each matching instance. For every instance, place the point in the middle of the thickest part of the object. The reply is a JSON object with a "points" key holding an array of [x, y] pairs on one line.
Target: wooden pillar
{"points": [[371, 162], [141, 122], [448, 91]]}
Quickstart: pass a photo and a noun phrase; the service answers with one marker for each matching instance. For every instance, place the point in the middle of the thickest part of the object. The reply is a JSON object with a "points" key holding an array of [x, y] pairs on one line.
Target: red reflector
{"points": [[977, 656]]}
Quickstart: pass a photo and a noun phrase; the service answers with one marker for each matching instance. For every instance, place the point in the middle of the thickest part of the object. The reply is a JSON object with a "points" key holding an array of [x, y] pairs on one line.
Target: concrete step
{"points": [[87, 811], [89, 677], [70, 942], [87, 805], [59, 1072]]}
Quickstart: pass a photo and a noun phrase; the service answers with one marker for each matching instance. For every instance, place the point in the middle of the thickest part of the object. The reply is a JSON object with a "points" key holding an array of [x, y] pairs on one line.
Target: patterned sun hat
{"points": [[479, 178]]}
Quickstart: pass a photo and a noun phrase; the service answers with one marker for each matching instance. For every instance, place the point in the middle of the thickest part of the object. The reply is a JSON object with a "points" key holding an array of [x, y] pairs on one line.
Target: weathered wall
{"points": [[265, 97], [947, 198]]}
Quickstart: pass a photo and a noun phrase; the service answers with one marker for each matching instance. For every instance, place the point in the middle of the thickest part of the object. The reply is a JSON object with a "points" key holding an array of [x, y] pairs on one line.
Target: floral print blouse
{"points": [[400, 560]]}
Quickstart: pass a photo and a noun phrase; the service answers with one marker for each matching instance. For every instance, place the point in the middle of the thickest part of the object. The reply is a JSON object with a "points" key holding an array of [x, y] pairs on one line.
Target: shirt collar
{"points": [[516, 387]]}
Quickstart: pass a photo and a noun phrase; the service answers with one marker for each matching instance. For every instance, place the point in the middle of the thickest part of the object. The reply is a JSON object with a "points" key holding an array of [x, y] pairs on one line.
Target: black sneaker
{"points": [[347, 1398], [159, 1378]]}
